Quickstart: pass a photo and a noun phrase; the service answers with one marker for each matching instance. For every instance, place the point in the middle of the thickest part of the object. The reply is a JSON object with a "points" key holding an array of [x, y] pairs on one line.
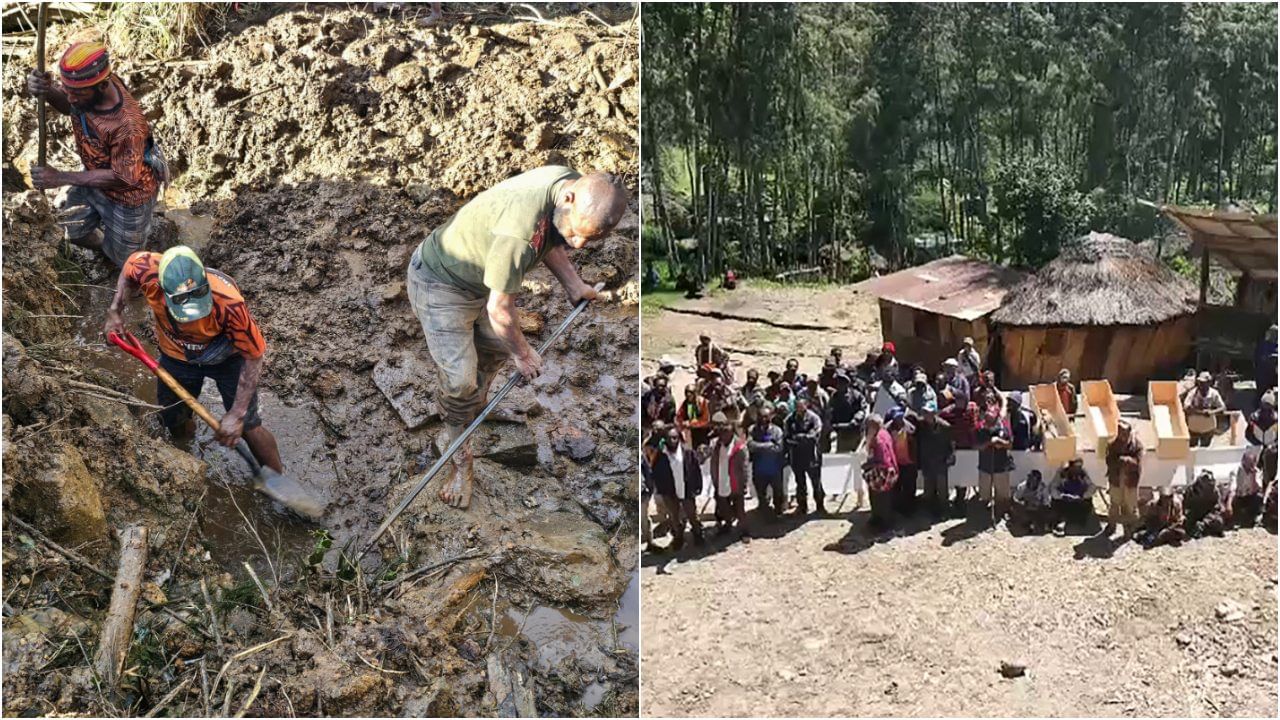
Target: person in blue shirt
{"points": [[768, 458]]}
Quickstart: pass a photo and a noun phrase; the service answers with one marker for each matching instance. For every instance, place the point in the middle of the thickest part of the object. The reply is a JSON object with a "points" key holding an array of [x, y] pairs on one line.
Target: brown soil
{"points": [[312, 196], [814, 619], [763, 326]]}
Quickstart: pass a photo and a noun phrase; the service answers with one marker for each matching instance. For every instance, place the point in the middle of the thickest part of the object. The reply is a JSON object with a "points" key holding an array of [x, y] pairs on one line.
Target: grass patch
{"points": [[655, 301]]}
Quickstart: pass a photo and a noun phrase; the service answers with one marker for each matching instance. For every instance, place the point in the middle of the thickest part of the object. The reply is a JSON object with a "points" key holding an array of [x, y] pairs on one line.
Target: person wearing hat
{"points": [[107, 206], [969, 360], [902, 432], [709, 357], [1202, 507], [955, 391], [1203, 407], [204, 330], [935, 453], [920, 393], [729, 475], [887, 363], [463, 279], [1124, 472]]}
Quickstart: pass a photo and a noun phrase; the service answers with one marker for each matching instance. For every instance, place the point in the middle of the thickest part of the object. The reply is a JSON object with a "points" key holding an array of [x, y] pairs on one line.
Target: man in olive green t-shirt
{"points": [[464, 277]]}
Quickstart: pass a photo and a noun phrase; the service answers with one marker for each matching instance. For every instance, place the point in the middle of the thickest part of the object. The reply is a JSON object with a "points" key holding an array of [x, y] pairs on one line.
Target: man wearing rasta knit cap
{"points": [[108, 205], [204, 330]]}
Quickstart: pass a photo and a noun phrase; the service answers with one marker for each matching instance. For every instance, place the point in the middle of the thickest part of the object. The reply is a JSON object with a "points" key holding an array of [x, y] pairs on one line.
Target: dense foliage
{"points": [[780, 137]]}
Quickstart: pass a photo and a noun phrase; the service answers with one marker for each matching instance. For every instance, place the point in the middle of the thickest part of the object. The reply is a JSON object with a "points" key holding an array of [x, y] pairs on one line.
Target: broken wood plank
{"points": [[117, 629]]}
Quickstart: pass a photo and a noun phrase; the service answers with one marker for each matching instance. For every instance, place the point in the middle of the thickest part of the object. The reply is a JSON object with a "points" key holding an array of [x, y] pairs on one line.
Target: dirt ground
{"points": [[817, 619], [314, 148], [763, 326]]}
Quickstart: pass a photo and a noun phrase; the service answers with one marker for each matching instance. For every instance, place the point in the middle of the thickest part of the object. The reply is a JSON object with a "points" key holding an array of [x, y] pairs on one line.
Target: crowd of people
{"points": [[749, 430]]}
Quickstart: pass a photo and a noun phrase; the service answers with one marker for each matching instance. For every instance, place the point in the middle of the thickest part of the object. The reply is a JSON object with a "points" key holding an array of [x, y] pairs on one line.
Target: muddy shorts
{"points": [[124, 229], [226, 375], [462, 342]]}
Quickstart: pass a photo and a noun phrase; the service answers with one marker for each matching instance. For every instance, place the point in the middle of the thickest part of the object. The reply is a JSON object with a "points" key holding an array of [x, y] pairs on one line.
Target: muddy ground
{"points": [[314, 148], [816, 619]]}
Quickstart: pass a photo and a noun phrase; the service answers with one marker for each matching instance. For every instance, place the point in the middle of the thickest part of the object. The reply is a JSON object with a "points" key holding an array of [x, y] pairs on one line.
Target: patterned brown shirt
{"points": [[117, 139]]}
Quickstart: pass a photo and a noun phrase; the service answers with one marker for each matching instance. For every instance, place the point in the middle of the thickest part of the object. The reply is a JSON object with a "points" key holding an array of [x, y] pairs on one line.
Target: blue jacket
{"points": [[768, 453]]}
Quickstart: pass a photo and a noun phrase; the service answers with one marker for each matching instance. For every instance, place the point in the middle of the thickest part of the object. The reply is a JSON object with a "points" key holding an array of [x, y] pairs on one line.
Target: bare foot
{"points": [[456, 489]]}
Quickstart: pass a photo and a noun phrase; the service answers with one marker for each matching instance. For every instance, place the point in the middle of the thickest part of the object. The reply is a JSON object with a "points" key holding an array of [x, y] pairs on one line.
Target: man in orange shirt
{"points": [[205, 331], [109, 204]]}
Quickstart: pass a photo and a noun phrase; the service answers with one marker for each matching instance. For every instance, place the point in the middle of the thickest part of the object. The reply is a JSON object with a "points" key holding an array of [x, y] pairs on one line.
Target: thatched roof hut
{"points": [[1103, 308]]}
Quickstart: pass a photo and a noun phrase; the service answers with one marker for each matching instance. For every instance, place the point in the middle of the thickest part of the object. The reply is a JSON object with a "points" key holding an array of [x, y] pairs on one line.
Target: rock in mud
{"points": [[58, 495], [510, 444], [573, 442], [509, 684], [565, 559], [1229, 611], [400, 378]]}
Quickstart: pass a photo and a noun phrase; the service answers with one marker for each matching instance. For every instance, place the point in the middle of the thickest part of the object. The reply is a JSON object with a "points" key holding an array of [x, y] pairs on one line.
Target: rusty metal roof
{"points": [[1243, 241], [955, 286]]}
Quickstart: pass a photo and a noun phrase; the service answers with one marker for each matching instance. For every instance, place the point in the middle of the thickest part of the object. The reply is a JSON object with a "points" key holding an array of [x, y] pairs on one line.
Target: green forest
{"points": [[821, 141]]}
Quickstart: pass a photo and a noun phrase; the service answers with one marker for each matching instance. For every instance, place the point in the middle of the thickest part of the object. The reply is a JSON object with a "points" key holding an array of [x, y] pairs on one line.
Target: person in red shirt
{"points": [[108, 205], [204, 330]]}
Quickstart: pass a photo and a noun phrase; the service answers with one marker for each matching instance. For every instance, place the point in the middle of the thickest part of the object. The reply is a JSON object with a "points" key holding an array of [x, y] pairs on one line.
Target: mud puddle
{"points": [[558, 634]]}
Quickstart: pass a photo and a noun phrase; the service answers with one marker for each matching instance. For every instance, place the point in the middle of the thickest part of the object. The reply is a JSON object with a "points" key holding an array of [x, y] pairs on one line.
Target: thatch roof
{"points": [[1100, 279]]}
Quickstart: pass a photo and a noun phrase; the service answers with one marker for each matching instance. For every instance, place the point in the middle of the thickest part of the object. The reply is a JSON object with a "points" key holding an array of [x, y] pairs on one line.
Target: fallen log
{"points": [[117, 629]]}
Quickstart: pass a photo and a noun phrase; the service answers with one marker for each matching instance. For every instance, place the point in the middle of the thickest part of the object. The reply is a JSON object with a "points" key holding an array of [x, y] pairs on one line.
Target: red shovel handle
{"points": [[131, 345]]}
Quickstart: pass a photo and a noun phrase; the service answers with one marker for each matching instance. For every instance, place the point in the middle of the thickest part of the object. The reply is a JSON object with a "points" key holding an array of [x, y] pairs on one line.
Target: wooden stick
{"points": [[186, 397], [41, 152], [117, 629]]}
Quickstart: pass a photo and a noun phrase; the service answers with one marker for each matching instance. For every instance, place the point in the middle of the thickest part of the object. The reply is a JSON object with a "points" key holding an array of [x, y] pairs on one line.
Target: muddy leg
{"points": [[456, 486], [263, 445]]}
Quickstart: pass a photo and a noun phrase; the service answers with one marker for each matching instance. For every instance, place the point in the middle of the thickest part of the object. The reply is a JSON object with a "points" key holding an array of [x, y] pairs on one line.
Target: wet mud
{"points": [[313, 200]]}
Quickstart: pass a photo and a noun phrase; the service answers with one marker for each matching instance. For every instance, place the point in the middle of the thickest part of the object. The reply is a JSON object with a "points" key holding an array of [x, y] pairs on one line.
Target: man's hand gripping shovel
{"points": [[280, 488]]}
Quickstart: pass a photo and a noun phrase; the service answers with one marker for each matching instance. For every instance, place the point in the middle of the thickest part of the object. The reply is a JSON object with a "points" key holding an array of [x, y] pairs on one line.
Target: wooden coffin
{"points": [[1059, 436], [1100, 411], [1173, 442]]}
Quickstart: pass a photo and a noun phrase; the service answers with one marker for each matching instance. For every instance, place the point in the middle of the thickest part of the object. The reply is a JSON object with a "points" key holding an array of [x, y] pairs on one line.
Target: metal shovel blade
{"points": [[286, 491]]}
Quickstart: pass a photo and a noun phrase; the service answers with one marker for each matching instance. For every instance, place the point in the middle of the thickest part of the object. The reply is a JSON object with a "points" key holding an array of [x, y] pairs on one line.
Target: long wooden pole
{"points": [[41, 152], [117, 629]]}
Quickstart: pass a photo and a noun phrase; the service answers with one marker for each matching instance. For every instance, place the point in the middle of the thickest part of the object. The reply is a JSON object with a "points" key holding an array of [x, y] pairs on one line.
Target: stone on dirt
{"points": [[399, 377], [1013, 668], [510, 444], [573, 442], [509, 683], [1229, 611], [61, 497]]}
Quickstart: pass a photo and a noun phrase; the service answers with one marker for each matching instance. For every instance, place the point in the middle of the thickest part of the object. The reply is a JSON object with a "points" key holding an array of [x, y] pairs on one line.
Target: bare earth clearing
{"points": [[821, 621]]}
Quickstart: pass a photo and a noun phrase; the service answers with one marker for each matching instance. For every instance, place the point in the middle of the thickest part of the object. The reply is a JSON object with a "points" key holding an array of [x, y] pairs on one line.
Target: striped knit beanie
{"points": [[85, 64]]}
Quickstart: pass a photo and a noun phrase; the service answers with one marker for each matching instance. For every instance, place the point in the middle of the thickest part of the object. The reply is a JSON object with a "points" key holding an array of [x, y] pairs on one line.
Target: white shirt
{"points": [[724, 488], [677, 469]]}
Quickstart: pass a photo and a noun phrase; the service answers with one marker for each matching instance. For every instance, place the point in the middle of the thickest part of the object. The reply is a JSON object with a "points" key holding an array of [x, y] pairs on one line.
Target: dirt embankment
{"points": [[317, 148]]}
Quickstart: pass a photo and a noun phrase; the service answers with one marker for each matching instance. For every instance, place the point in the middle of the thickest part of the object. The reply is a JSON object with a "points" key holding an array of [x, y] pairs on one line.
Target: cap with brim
{"points": [[950, 362], [84, 64], [181, 271], [719, 418], [1204, 376]]}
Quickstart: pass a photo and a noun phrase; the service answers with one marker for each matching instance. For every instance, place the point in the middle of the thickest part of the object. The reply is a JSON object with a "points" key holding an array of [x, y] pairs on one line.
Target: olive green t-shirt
{"points": [[500, 235]]}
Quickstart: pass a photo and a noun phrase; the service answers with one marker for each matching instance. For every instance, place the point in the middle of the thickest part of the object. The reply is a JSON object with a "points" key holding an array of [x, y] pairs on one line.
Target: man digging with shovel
{"points": [[464, 277], [204, 330]]}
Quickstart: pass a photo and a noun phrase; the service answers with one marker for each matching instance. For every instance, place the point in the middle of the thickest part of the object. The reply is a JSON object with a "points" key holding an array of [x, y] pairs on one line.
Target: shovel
{"points": [[280, 488]]}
